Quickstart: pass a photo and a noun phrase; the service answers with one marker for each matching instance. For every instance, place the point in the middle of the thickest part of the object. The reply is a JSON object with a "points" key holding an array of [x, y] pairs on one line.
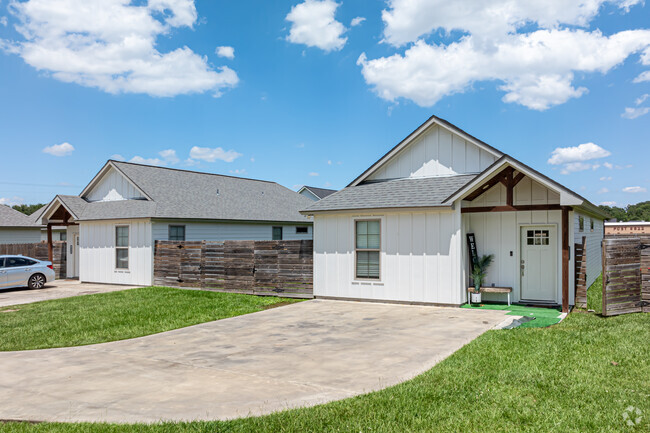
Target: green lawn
{"points": [[577, 376], [119, 315]]}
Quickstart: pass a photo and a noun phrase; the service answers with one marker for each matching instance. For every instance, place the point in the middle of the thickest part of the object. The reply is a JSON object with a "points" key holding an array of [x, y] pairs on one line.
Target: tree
{"points": [[633, 212], [28, 209]]}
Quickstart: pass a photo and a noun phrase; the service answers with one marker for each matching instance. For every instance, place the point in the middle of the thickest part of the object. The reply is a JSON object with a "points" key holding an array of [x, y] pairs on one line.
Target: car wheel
{"points": [[36, 281]]}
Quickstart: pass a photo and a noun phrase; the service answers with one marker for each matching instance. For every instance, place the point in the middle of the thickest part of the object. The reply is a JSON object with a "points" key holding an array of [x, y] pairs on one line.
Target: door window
{"points": [[537, 237]]}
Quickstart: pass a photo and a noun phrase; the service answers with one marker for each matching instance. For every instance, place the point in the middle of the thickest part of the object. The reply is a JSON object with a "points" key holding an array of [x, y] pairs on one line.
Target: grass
{"points": [[118, 315], [579, 375]]}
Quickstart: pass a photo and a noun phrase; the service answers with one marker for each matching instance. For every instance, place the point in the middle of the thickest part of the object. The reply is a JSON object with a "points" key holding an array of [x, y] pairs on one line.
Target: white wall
{"points": [[420, 257], [20, 235], [499, 233], [437, 152], [97, 253], [113, 186], [594, 244], [206, 231]]}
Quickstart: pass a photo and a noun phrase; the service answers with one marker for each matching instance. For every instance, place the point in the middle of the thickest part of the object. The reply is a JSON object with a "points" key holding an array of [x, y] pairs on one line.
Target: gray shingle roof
{"points": [[12, 218], [321, 193], [397, 193], [182, 194]]}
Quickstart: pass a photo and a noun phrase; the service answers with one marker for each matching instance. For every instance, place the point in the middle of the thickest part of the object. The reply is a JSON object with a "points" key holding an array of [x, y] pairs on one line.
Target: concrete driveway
{"points": [[54, 290], [297, 355]]}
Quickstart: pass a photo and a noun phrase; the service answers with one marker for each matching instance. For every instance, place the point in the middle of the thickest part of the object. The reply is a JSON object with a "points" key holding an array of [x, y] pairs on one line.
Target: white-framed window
{"points": [[591, 224], [121, 247], [176, 233], [581, 224], [276, 234], [63, 236], [367, 235], [302, 230]]}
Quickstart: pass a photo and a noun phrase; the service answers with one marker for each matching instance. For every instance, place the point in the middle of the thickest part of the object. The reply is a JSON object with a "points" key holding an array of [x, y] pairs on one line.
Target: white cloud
{"points": [[573, 167], [580, 153], [313, 24], [238, 171], [606, 178], [111, 45], [11, 201], [211, 155], [634, 189], [329, 162], [535, 68], [357, 21], [603, 191], [608, 203], [313, 174], [642, 78], [608, 165], [169, 156], [63, 149], [118, 157], [227, 52], [147, 161], [252, 159], [327, 184], [634, 112], [3, 21]]}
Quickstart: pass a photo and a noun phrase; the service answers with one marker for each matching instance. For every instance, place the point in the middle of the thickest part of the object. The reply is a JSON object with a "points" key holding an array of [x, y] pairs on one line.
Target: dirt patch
{"points": [[12, 310], [279, 304]]}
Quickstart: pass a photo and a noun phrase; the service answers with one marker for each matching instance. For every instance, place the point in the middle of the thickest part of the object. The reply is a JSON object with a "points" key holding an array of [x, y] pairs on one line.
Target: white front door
{"points": [[538, 263]]}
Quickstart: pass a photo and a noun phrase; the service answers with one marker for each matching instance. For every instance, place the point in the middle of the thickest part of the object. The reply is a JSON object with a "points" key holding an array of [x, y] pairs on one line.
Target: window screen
{"points": [[368, 244], [277, 233]]}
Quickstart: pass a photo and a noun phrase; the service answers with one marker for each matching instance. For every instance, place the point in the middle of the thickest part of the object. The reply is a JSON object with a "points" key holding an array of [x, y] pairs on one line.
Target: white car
{"points": [[21, 271]]}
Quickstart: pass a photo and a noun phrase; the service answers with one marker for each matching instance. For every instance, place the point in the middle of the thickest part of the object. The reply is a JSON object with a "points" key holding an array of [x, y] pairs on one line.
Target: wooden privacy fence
{"points": [[39, 252], [581, 273], [280, 268], [626, 274]]}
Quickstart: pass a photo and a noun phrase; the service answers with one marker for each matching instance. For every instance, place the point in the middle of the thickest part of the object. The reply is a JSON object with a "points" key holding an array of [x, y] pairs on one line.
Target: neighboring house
{"points": [[115, 221], [398, 232], [315, 194], [17, 228]]}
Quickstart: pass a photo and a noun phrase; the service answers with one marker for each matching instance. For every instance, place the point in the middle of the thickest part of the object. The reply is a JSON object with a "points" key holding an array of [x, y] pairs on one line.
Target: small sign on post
{"points": [[473, 252]]}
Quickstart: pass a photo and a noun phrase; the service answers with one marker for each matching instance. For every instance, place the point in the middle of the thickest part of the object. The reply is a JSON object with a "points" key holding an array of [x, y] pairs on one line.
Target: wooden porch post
{"points": [[50, 255], [565, 259]]}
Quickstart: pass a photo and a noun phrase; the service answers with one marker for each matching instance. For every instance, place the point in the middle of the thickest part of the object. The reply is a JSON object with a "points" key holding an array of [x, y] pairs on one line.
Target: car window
{"points": [[14, 262], [2, 262]]}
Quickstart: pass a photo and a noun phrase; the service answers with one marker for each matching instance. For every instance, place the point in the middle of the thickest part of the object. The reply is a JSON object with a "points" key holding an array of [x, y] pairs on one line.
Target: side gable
{"points": [[111, 184], [436, 148]]}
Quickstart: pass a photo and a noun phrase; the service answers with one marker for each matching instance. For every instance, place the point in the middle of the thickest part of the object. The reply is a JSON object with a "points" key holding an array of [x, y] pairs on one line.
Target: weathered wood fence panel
{"points": [[581, 273], [39, 251], [626, 274], [280, 268]]}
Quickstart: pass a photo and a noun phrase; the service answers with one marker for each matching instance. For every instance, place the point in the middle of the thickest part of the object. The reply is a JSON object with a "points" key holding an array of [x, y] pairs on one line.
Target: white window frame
{"points": [[581, 224], [356, 250], [127, 248]]}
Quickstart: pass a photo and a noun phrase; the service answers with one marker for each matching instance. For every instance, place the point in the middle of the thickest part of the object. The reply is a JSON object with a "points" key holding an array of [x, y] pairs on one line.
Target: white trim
{"points": [[558, 262], [304, 188], [47, 211], [416, 134], [100, 175], [128, 249]]}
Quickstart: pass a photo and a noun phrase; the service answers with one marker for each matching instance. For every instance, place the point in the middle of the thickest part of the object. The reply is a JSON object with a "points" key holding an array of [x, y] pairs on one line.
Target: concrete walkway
{"points": [[54, 290], [298, 355]]}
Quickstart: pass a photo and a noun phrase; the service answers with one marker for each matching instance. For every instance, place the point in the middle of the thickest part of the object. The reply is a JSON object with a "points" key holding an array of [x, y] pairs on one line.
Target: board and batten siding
{"points": [[419, 259], [113, 186], [499, 233], [594, 244], [97, 253], [437, 152], [220, 231], [20, 235]]}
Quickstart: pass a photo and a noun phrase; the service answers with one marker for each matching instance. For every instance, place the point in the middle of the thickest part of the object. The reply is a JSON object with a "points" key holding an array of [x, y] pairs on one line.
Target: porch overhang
{"points": [[56, 214]]}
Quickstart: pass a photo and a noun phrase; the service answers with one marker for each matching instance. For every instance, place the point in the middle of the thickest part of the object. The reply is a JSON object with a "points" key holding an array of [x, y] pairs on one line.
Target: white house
{"points": [[115, 221], [315, 194], [398, 232]]}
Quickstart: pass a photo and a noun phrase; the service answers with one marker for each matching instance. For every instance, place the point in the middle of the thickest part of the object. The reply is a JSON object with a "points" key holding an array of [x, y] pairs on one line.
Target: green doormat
{"points": [[542, 317]]}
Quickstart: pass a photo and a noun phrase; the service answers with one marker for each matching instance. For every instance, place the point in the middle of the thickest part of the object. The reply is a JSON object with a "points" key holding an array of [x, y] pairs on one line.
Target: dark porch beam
{"points": [[50, 253], [489, 184], [565, 259]]}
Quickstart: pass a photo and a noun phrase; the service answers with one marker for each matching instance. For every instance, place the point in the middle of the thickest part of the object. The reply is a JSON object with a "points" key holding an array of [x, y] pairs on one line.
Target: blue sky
{"points": [[309, 98]]}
